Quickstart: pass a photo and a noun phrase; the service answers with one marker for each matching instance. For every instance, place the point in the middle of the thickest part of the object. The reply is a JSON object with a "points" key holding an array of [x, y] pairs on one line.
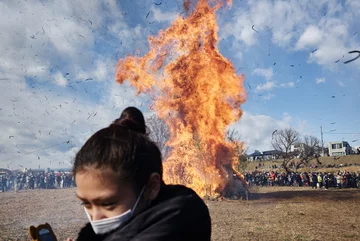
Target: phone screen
{"points": [[45, 235]]}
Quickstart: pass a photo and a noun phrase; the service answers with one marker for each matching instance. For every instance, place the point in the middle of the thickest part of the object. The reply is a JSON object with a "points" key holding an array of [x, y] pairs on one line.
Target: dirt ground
{"points": [[275, 213]]}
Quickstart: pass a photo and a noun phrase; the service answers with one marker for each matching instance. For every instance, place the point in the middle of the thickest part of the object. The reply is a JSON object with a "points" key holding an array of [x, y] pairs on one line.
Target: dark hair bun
{"points": [[130, 124], [133, 119]]}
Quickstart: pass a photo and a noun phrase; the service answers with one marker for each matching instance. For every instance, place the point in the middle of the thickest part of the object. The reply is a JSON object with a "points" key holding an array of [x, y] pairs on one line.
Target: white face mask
{"points": [[108, 224]]}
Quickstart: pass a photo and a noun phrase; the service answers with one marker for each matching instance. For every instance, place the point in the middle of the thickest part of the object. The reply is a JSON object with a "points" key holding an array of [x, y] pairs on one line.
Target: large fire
{"points": [[196, 91]]}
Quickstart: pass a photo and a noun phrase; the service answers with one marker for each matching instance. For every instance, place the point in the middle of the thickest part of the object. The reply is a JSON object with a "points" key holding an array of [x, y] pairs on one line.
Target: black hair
{"points": [[132, 118], [124, 149]]}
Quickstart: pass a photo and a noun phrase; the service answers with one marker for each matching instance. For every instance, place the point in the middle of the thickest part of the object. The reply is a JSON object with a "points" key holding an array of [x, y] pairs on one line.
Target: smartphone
{"points": [[43, 232]]}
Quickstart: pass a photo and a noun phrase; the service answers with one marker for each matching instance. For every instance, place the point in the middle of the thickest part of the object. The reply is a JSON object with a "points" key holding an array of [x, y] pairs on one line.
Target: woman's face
{"points": [[102, 194]]}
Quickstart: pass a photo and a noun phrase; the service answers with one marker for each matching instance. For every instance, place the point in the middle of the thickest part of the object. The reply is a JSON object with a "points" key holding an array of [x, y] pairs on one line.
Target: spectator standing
{"points": [[319, 180], [314, 181]]}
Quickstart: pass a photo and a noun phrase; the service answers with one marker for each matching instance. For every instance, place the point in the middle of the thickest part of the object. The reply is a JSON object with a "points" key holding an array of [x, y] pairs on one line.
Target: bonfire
{"points": [[198, 94]]}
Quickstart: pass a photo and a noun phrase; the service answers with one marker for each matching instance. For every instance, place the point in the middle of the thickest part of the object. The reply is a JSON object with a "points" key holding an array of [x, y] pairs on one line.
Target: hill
{"points": [[328, 164]]}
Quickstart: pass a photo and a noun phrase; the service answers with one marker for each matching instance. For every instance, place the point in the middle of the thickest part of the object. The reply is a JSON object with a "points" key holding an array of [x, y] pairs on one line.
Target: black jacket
{"points": [[178, 213]]}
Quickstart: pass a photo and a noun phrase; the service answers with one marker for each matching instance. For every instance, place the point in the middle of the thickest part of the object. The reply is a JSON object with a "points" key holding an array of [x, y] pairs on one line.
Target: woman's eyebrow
{"points": [[104, 198], [99, 198], [79, 197]]}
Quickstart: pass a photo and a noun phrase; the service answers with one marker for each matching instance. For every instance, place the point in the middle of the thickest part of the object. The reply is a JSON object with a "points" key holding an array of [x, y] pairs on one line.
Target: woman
{"points": [[118, 175]]}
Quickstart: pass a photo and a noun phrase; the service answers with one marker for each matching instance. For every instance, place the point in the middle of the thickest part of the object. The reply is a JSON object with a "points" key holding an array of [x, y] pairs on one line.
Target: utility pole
{"points": [[322, 141]]}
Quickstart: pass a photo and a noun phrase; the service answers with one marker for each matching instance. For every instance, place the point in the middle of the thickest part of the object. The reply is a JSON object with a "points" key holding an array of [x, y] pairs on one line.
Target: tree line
{"points": [[283, 142]]}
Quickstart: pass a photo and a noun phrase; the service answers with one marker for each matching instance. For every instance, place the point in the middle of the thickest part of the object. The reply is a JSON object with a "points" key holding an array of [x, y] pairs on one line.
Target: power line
{"points": [[27, 153], [336, 133]]}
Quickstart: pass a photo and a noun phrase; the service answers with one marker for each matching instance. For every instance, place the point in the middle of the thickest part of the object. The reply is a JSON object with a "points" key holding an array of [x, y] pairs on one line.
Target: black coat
{"points": [[178, 213]]}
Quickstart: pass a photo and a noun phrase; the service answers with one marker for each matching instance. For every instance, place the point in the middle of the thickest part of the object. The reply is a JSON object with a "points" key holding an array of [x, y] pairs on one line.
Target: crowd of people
{"points": [[339, 179], [39, 180], [261, 166], [51, 180]]}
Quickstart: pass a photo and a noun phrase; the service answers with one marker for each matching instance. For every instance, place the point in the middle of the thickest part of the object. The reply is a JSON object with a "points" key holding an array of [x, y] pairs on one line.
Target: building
{"points": [[264, 156], [255, 156], [339, 148], [302, 149], [297, 148], [272, 155]]}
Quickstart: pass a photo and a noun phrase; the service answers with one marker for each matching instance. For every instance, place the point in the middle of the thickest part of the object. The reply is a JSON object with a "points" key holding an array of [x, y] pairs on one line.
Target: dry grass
{"points": [[351, 159], [32, 207], [288, 213], [276, 213]]}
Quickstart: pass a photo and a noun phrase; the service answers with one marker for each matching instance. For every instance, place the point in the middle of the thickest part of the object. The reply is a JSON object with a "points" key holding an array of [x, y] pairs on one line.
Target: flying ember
{"points": [[196, 91]]}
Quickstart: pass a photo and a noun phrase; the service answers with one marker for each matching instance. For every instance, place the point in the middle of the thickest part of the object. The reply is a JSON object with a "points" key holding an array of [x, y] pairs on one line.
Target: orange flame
{"points": [[197, 93]]}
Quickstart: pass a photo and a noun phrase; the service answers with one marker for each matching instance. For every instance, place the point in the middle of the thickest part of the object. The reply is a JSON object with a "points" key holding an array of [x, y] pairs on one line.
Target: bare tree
{"points": [[309, 150], [159, 133], [282, 141], [234, 137]]}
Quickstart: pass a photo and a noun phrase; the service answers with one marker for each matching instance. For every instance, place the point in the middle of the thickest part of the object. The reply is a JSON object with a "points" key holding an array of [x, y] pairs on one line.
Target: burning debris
{"points": [[197, 92]]}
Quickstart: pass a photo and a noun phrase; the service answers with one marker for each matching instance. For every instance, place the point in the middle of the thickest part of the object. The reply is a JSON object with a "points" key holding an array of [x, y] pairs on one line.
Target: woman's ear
{"points": [[153, 186]]}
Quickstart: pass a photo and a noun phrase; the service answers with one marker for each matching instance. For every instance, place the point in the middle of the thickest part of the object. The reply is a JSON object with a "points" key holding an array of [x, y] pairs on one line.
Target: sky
{"points": [[58, 59]]}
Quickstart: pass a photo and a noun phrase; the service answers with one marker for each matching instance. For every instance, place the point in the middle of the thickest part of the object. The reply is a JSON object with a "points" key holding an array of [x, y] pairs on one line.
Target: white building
{"points": [[339, 148], [297, 148]]}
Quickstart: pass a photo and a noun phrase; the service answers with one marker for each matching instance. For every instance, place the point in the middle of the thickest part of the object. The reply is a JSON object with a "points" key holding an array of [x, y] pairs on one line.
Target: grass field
{"points": [[275, 213]]}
